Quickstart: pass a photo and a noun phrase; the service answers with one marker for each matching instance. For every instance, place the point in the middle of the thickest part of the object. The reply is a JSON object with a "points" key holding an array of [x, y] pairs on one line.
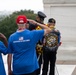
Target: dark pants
{"points": [[40, 62], [33, 73], [49, 56]]}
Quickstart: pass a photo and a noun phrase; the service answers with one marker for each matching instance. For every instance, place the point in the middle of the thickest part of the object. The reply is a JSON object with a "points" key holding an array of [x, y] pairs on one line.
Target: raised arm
{"points": [[46, 29]]}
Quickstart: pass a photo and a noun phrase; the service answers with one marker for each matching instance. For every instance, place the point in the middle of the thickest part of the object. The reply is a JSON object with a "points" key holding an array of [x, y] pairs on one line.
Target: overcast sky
{"points": [[12, 5]]}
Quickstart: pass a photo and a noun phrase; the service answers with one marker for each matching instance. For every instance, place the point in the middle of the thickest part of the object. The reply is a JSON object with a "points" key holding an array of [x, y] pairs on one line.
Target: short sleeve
{"points": [[3, 48], [38, 34]]}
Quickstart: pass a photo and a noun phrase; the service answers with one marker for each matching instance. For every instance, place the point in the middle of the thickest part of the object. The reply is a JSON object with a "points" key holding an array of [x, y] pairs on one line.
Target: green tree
{"points": [[8, 25]]}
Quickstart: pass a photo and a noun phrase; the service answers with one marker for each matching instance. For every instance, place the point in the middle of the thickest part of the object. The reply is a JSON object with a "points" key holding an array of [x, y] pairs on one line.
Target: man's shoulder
{"points": [[12, 35], [57, 31], [38, 32]]}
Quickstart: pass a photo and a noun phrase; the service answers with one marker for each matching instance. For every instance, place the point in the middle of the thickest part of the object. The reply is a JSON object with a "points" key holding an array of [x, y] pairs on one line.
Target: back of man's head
{"points": [[21, 19], [52, 20]]}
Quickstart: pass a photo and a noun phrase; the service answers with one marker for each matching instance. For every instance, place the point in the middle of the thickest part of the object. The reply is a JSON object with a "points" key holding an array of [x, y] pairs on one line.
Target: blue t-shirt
{"points": [[22, 46], [4, 51]]}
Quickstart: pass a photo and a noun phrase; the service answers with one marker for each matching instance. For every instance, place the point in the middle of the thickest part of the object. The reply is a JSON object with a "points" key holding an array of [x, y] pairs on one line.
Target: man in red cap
{"points": [[22, 46]]}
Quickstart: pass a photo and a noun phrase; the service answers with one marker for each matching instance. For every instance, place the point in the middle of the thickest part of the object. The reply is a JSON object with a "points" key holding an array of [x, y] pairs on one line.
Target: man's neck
{"points": [[20, 29]]}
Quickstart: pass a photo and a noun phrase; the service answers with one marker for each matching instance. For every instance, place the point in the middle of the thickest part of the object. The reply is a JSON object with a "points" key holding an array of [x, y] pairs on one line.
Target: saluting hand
{"points": [[32, 21]]}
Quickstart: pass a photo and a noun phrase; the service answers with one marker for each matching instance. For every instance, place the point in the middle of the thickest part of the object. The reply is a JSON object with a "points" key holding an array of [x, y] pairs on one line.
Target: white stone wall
{"points": [[59, 1], [65, 15]]}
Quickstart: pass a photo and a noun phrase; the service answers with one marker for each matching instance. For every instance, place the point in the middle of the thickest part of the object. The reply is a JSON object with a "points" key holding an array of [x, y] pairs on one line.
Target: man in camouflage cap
{"points": [[52, 42]]}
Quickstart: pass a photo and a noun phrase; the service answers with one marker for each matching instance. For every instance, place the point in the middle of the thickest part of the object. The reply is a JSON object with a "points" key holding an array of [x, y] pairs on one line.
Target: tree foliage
{"points": [[8, 25]]}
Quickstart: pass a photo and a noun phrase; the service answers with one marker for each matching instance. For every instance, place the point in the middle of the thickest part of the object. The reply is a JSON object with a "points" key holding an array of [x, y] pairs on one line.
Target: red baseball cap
{"points": [[21, 19]]}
